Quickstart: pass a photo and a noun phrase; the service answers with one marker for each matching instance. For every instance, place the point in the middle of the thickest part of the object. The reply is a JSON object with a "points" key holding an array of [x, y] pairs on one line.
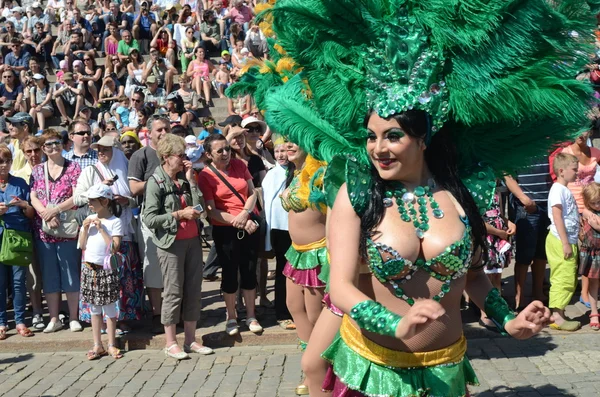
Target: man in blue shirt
{"points": [[144, 26], [17, 59], [81, 24]]}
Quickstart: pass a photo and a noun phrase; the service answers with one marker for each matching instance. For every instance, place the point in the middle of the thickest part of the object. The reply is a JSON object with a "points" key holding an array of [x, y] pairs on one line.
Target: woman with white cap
{"points": [[111, 170], [40, 99], [100, 238]]}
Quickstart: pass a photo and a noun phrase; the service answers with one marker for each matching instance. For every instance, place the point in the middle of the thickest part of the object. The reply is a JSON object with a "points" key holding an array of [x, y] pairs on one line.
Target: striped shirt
{"points": [[535, 180]]}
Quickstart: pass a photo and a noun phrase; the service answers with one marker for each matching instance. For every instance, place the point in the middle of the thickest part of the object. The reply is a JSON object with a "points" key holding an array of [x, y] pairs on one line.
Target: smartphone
{"points": [[199, 208], [114, 179]]}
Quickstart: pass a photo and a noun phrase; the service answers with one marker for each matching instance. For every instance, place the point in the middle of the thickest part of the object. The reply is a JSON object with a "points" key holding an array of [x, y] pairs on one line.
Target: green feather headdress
{"points": [[498, 75]]}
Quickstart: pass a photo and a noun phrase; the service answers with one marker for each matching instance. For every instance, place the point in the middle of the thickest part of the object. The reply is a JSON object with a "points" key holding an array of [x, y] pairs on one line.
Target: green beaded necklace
{"points": [[406, 201]]}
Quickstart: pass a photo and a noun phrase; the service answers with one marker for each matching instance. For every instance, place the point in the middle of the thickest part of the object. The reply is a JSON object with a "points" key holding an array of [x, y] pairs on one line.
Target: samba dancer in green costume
{"points": [[427, 101]]}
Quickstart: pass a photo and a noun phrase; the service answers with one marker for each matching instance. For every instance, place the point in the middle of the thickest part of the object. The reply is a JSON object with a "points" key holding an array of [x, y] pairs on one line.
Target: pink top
{"points": [[585, 176], [201, 69], [60, 190], [111, 47], [242, 15]]}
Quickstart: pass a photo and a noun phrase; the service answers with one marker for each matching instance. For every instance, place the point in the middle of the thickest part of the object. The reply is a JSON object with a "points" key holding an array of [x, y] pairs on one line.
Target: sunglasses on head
{"points": [[224, 149]]}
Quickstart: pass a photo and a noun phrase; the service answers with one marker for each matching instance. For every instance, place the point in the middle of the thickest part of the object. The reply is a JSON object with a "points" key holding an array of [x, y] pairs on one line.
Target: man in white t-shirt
{"points": [[561, 243]]}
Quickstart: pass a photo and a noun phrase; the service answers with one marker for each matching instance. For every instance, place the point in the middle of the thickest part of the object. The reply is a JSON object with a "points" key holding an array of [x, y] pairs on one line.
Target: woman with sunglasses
{"points": [[111, 169], [32, 148], [200, 70], [90, 76], [233, 229], [59, 257], [172, 206], [188, 46], [136, 68]]}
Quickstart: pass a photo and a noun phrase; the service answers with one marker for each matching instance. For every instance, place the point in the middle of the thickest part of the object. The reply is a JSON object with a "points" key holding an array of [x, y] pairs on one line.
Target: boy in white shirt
{"points": [[561, 243]]}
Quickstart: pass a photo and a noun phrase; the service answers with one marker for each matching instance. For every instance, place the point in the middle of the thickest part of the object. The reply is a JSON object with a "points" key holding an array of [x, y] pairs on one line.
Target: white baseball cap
{"points": [[99, 190]]}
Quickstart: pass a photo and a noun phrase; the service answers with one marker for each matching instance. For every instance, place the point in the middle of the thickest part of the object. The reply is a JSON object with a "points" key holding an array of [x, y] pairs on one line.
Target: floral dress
{"points": [[589, 251], [60, 190], [499, 251]]}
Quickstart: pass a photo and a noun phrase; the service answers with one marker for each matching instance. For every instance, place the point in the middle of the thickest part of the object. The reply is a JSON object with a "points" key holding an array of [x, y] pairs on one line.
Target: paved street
{"points": [[549, 365]]}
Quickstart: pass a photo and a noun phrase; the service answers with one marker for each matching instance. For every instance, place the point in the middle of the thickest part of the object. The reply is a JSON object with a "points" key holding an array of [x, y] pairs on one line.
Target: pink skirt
{"points": [[332, 308], [306, 278], [333, 384], [336, 387]]}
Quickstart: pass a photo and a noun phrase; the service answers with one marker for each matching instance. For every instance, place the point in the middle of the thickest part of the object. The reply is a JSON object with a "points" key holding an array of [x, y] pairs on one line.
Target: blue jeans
{"points": [[60, 263], [19, 290]]}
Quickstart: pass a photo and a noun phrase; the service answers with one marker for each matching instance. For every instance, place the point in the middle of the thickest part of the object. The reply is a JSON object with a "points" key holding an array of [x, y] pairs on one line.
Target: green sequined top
{"points": [[388, 266], [451, 264]]}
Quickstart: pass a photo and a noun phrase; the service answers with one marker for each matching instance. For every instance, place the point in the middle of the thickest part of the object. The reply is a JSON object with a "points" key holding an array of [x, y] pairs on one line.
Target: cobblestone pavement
{"points": [[549, 365]]}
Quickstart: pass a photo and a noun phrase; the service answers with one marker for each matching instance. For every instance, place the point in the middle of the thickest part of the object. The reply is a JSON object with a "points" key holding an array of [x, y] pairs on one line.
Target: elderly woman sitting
{"points": [[172, 208]]}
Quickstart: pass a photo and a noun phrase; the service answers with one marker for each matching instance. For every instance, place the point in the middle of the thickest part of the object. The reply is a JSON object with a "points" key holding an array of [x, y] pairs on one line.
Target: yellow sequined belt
{"points": [[393, 358], [312, 246]]}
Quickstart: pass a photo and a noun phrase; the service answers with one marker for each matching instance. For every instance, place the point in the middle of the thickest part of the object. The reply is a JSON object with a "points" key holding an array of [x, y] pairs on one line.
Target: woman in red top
{"points": [[234, 230]]}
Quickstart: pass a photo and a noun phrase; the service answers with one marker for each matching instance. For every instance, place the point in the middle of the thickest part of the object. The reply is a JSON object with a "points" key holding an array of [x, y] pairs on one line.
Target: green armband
{"points": [[497, 310], [374, 317]]}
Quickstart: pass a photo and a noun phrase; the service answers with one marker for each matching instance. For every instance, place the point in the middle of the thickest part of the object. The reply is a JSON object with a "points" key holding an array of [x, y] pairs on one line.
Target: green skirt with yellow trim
{"points": [[308, 265], [359, 366]]}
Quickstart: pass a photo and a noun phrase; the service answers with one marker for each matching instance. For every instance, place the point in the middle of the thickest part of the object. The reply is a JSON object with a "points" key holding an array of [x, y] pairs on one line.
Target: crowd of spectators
{"points": [[78, 136]]}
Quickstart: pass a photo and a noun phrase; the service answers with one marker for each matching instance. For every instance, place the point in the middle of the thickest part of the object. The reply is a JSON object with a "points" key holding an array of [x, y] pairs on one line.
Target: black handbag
{"points": [[256, 218]]}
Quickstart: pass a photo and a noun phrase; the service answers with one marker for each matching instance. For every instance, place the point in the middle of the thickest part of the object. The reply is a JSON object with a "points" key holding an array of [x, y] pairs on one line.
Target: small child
{"points": [[223, 78], [561, 243], [499, 230], [99, 239], [589, 249], [122, 112], [64, 68]]}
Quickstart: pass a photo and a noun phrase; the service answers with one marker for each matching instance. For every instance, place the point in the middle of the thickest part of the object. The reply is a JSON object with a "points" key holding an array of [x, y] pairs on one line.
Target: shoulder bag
{"points": [[17, 247], [256, 218], [68, 227]]}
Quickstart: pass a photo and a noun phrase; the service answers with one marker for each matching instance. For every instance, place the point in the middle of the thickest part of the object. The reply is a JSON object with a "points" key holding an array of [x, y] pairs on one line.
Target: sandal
{"points": [[586, 304], [25, 332], [567, 325], [594, 324], [94, 355], [288, 325], [114, 352], [3, 333]]}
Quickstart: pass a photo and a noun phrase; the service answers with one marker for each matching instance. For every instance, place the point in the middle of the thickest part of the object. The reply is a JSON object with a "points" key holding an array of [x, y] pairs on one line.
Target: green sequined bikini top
{"points": [[451, 264]]}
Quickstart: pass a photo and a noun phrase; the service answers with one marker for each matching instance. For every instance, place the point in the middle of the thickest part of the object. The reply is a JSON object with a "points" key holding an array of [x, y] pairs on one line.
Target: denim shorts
{"points": [[60, 264], [532, 229]]}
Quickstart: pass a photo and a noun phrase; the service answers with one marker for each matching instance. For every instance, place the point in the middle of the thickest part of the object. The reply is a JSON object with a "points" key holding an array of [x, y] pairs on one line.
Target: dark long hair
{"points": [[440, 157]]}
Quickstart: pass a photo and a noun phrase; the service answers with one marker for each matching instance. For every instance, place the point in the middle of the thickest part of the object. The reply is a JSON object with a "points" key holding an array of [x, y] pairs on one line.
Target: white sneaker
{"points": [[75, 326], [53, 327]]}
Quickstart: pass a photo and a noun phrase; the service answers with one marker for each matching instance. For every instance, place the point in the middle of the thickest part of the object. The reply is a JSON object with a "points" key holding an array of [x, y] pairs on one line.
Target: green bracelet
{"points": [[497, 310], [374, 317]]}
